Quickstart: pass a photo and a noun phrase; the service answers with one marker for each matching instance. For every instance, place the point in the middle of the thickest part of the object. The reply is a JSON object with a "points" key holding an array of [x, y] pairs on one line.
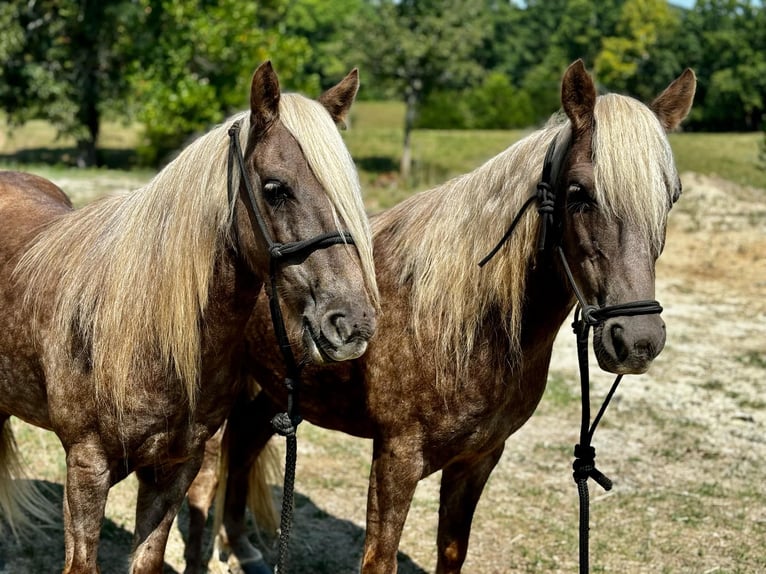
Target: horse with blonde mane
{"points": [[461, 355], [123, 321]]}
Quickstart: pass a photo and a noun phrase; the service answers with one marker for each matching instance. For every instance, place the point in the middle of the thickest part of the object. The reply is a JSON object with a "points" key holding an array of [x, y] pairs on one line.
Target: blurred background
{"points": [[125, 83]]}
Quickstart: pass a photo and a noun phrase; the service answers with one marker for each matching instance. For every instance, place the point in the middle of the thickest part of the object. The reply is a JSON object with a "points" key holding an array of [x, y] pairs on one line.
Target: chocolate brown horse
{"points": [[122, 323], [461, 355]]}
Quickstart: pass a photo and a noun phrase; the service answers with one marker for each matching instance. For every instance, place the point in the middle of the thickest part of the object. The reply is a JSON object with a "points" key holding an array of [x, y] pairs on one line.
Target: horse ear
{"points": [[264, 97], [578, 97], [673, 105], [339, 98]]}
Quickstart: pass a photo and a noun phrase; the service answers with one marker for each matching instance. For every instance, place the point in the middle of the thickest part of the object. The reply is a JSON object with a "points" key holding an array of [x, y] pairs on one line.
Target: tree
{"points": [[194, 60], [62, 60], [626, 58], [417, 46], [727, 49]]}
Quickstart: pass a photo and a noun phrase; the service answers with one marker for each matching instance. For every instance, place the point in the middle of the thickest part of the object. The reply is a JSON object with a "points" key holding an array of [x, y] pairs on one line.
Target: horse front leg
{"points": [[87, 487], [160, 495], [200, 498], [397, 466], [461, 486], [248, 430]]}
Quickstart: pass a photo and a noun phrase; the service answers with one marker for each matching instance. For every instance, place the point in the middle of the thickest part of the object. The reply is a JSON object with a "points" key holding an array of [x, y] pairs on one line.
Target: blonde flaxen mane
{"points": [[130, 273], [439, 236]]}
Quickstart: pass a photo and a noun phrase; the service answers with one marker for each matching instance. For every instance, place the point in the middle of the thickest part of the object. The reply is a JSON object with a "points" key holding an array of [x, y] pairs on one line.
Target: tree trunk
{"points": [[411, 101], [87, 80]]}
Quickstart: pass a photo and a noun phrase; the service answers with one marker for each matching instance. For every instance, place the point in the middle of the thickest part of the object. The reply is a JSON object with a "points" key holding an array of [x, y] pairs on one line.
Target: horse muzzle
{"points": [[339, 337], [628, 345]]}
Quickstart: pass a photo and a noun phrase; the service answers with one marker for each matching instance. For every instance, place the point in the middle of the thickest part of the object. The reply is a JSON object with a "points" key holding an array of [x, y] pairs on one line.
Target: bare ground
{"points": [[684, 444]]}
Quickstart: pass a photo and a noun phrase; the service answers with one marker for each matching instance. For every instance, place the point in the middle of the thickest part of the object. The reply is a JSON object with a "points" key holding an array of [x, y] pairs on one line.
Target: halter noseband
{"points": [[585, 317], [287, 422]]}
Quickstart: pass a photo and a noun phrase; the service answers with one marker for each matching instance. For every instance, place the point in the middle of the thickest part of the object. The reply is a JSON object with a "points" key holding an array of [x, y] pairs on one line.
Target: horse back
{"points": [[27, 203]]}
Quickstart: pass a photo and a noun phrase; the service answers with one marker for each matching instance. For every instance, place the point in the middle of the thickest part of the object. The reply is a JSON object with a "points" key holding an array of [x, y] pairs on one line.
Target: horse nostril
{"points": [[645, 349], [341, 330], [621, 350]]}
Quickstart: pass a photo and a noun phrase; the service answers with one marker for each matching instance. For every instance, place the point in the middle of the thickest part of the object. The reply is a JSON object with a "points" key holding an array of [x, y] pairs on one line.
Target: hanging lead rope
{"points": [[285, 423], [584, 465], [586, 316]]}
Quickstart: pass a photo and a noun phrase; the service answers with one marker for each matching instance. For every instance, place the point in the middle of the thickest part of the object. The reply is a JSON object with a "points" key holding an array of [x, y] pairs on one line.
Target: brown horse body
{"points": [[436, 392], [147, 398]]}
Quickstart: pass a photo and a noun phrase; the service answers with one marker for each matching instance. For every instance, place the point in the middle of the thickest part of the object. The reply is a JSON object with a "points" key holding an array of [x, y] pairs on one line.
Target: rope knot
{"points": [[589, 315], [285, 425], [545, 198], [275, 250], [234, 129], [584, 467]]}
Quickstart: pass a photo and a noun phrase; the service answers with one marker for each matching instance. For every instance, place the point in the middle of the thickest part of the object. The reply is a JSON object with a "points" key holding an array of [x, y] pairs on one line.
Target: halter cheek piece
{"points": [[287, 422], [585, 317]]}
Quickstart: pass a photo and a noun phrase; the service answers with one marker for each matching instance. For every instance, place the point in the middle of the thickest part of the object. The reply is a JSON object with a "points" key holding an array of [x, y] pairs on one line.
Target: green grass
{"points": [[732, 156]]}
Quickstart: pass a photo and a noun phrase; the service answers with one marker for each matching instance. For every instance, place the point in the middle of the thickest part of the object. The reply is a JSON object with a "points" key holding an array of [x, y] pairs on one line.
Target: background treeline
{"points": [[178, 66]]}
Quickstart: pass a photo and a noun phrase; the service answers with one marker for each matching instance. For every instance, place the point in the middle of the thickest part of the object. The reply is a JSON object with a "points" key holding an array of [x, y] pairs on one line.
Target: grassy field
{"points": [[684, 443]]}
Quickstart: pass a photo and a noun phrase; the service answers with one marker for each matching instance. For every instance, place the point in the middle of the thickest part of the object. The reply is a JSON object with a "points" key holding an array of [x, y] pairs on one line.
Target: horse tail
{"points": [[23, 507], [264, 470]]}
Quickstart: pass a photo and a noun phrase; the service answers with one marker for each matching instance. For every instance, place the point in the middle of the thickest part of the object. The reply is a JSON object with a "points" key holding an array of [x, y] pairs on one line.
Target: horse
{"points": [[123, 321], [461, 355]]}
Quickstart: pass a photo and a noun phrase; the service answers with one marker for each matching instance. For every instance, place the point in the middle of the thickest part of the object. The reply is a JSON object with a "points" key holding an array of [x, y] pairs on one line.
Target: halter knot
{"points": [[285, 425], [275, 250], [546, 203], [546, 198], [589, 315]]}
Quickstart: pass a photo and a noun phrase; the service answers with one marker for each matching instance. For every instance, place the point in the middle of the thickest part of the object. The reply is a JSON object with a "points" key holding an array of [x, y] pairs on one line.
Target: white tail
{"points": [[23, 508]]}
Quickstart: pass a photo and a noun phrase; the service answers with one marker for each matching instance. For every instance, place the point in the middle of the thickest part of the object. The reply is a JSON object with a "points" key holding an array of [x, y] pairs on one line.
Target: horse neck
{"points": [[548, 303], [234, 290]]}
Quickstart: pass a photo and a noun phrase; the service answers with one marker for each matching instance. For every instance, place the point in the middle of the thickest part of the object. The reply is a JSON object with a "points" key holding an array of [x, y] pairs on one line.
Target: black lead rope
{"points": [[585, 317], [584, 465], [286, 423]]}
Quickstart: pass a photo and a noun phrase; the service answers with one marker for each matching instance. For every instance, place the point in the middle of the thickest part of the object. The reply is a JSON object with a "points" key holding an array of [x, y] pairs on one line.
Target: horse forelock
{"points": [[436, 239], [326, 153], [129, 274], [633, 165]]}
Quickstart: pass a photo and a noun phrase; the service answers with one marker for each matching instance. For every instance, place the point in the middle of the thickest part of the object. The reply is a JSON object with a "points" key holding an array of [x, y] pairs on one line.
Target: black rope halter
{"points": [[285, 423], [585, 317]]}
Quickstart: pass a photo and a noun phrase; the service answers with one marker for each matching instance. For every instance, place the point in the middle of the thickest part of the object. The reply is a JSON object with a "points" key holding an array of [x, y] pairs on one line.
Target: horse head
{"points": [[615, 187], [304, 185]]}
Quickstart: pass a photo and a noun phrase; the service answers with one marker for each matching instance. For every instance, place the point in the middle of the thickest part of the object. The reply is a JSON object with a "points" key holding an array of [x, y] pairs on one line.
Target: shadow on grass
{"points": [[319, 542], [44, 553], [109, 158], [377, 164]]}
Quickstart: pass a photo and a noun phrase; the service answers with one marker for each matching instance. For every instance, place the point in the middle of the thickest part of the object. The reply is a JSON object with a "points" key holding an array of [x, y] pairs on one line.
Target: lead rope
{"points": [[584, 465], [585, 317], [286, 423]]}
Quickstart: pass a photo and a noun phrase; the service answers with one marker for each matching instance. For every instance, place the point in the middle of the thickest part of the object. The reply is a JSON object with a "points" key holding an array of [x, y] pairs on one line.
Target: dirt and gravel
{"points": [[685, 444]]}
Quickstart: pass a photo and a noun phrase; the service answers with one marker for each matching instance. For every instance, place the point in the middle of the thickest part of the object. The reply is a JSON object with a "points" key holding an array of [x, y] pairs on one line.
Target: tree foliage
{"points": [[194, 60], [415, 47], [180, 65], [63, 60]]}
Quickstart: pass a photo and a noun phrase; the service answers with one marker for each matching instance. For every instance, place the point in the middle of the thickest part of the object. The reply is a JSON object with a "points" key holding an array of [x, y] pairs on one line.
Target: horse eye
{"points": [[579, 200], [276, 192]]}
